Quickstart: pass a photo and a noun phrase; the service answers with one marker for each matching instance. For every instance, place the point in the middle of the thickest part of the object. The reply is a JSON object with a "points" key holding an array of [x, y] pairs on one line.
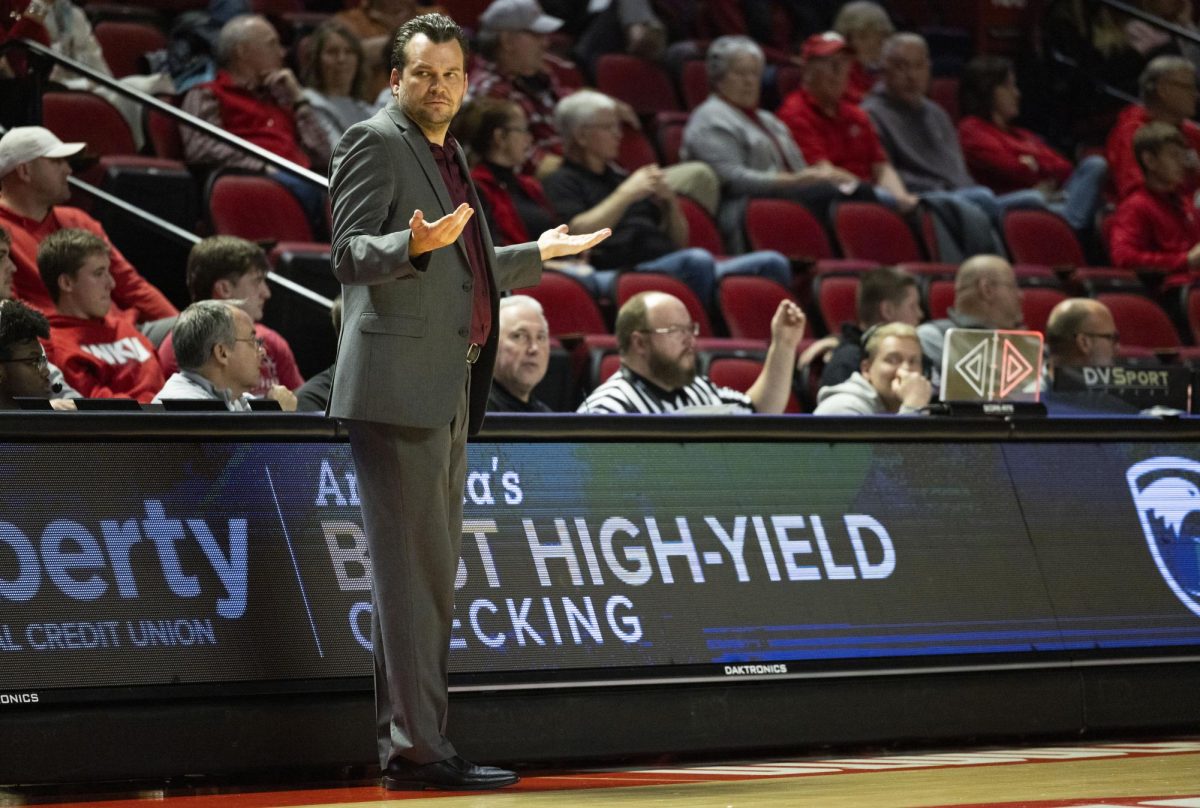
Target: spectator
{"points": [[231, 268], [751, 150], [496, 135], [313, 395], [258, 99], [24, 369], [922, 143], [885, 295], [334, 77], [1080, 332], [986, 295], [650, 232], [864, 25], [1157, 227], [611, 26], [657, 341], [888, 381], [521, 357], [219, 358], [99, 349], [374, 22], [1008, 158], [830, 130], [33, 186], [1168, 92]]}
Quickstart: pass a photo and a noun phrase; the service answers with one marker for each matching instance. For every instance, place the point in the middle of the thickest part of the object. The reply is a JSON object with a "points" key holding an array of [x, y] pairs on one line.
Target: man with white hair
{"points": [[521, 357]]}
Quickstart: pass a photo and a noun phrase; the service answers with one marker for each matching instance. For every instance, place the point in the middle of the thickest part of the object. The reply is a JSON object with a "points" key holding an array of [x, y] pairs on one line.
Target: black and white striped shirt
{"points": [[626, 392]]}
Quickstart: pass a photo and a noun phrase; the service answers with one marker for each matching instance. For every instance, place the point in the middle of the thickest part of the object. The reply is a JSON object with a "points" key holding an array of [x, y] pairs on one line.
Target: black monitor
{"points": [[107, 404], [193, 405]]}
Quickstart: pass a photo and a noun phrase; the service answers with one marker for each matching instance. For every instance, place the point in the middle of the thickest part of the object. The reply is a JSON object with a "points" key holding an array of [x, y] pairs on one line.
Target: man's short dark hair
{"points": [[63, 253], [18, 324], [438, 27], [221, 258], [1152, 137], [978, 83], [883, 284], [201, 327]]}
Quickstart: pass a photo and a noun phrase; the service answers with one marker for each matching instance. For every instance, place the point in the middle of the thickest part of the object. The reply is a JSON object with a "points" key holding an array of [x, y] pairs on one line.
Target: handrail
{"points": [[191, 120], [190, 238], [1153, 19]]}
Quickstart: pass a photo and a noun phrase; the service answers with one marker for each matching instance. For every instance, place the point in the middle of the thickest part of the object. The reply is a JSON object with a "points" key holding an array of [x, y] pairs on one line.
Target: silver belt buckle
{"points": [[473, 353]]}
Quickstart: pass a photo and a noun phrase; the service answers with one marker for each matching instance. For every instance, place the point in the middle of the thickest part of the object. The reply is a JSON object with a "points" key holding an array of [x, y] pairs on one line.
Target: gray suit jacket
{"points": [[403, 345]]}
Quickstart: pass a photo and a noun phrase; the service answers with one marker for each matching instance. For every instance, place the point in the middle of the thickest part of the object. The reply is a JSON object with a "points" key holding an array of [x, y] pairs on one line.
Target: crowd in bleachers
{"points": [[755, 160]]}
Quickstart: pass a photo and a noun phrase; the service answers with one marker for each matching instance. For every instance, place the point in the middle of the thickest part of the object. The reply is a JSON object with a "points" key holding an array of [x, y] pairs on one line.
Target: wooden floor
{"points": [[1163, 774]]}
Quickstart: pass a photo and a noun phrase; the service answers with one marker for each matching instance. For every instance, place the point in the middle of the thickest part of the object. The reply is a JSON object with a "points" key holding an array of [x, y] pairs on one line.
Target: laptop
{"points": [[985, 365]]}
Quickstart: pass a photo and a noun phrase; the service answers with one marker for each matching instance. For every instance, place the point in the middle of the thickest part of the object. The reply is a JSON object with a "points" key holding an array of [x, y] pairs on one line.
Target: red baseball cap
{"points": [[821, 45]]}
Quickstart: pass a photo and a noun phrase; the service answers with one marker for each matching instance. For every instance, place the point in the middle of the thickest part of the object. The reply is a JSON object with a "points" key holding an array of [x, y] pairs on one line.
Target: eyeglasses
{"points": [[40, 361], [1115, 336], [258, 341], [692, 330]]}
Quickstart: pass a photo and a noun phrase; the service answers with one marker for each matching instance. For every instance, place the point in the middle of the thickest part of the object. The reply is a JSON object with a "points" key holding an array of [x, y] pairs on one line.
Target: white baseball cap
{"points": [[24, 143], [518, 15]]}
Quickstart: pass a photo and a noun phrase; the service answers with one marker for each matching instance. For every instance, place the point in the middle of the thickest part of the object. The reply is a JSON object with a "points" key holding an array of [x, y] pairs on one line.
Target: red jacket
{"points": [[1123, 168], [994, 156], [847, 139], [132, 291], [265, 124], [1152, 230], [509, 227], [105, 358], [278, 365]]}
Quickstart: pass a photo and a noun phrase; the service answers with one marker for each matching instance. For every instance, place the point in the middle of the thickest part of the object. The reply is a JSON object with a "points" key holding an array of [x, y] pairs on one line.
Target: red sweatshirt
{"points": [[994, 156], [1123, 168], [278, 366], [105, 358], [847, 139], [1153, 230], [132, 291]]}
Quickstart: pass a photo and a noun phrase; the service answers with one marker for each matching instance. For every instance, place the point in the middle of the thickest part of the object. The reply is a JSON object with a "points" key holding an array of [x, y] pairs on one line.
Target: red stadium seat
{"points": [[787, 227], [164, 135], [256, 208], [569, 307], [702, 230], [939, 297], [1141, 322], [1096, 280], [125, 43], [82, 116], [943, 91], [632, 283], [740, 374], [636, 150], [787, 78], [1037, 303], [668, 131], [748, 303], [609, 364], [642, 84], [1041, 237], [872, 232], [837, 300], [694, 78]]}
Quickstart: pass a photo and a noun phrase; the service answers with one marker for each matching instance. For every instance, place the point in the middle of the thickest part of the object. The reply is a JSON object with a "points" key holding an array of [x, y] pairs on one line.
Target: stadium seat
{"points": [[125, 43], [569, 307], [668, 131], [748, 303], [636, 150], [787, 227], [1037, 303], [943, 91], [939, 297], [164, 135], [787, 78], [642, 84], [609, 364], [836, 297], [1141, 322], [255, 208], [694, 81], [632, 283], [740, 373], [86, 117], [1043, 238], [1192, 307], [872, 232], [1092, 281], [702, 230]]}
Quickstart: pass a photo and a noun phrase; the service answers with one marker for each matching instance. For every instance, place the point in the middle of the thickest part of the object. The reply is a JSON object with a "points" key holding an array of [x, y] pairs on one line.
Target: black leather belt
{"points": [[473, 352]]}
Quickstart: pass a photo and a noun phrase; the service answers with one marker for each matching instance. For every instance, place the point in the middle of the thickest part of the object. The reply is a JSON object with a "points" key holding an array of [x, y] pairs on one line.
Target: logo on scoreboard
{"points": [[1166, 492]]}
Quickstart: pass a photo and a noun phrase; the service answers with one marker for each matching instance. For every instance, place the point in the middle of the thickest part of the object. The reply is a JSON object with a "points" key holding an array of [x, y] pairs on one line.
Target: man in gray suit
{"points": [[414, 367]]}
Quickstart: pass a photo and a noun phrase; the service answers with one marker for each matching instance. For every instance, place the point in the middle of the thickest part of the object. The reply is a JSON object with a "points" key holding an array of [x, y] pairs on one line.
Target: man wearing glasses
{"points": [[657, 341], [24, 371], [1080, 332]]}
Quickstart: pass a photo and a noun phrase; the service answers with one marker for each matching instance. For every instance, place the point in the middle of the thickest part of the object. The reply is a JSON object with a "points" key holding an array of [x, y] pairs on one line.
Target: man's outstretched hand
{"points": [[556, 243], [428, 236]]}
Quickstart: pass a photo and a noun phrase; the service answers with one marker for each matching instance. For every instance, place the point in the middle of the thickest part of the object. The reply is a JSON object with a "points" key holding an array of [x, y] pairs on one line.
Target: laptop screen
{"points": [[991, 365]]}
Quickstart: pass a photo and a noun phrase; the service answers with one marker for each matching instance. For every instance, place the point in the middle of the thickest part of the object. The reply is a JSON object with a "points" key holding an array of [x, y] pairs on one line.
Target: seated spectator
{"points": [[258, 99], [374, 22], [922, 143], [219, 358], [497, 138], [650, 232], [1168, 92], [986, 295], [522, 356], [333, 75], [885, 295], [1157, 226], [657, 341], [231, 268], [888, 381], [1080, 332], [611, 26], [1008, 158], [99, 349], [864, 25], [830, 130], [24, 369], [313, 395], [751, 150], [33, 186]]}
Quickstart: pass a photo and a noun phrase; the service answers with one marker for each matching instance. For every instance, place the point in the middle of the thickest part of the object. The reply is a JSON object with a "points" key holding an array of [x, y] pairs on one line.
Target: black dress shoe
{"points": [[452, 774]]}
